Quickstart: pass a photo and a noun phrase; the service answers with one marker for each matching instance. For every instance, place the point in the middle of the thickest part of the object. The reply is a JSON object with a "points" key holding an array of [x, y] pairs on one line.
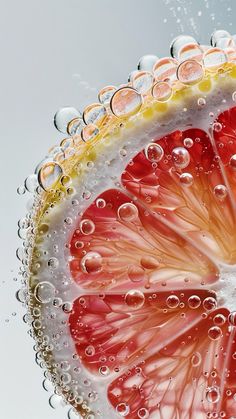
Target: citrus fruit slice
{"points": [[130, 246]]}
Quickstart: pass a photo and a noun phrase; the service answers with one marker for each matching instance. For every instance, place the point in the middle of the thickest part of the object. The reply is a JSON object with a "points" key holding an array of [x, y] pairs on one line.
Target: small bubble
{"points": [[214, 58], [186, 179], [162, 91], [142, 82], [53, 263], [154, 152], [126, 101], [194, 301], [143, 413], [90, 350], [106, 93], [217, 127], [196, 359], [165, 69], [209, 303], [89, 132], [91, 263], [31, 183], [190, 72], [201, 102], [213, 394], [63, 116], [172, 301], [104, 370], [123, 409], [147, 62], [136, 273], [100, 203], [232, 318], [215, 333], [44, 292], [181, 157], [87, 227], [232, 162], [127, 212], [20, 190], [188, 142], [219, 319], [94, 114], [234, 96], [49, 175], [220, 192], [56, 401], [134, 299]]}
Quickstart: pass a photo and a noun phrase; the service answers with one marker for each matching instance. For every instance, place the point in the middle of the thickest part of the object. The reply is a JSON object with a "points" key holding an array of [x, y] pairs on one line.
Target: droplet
{"points": [[232, 318], [172, 301], [49, 175], [179, 42], [214, 58], [186, 179], [87, 226], [194, 301], [147, 62], [126, 101], [142, 81], [181, 157], [123, 409], [91, 263], [44, 292], [143, 413], [105, 94], [220, 192], [89, 132], [165, 69], [162, 91], [63, 116], [154, 152], [188, 142], [190, 72], [209, 303], [213, 394], [136, 273], [134, 299], [94, 114], [232, 162], [215, 333], [196, 359], [217, 35], [127, 212]]}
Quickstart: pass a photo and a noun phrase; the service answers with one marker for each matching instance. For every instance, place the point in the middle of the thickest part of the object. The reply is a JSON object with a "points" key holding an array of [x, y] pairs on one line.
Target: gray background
{"points": [[56, 53]]}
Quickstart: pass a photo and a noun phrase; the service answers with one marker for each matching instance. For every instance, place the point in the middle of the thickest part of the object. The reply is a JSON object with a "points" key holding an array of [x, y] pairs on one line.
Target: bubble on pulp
{"points": [[162, 91], [149, 262], [63, 116], [89, 132], [213, 394], [194, 301], [136, 273], [215, 333], [123, 409], [154, 152], [91, 263], [181, 157], [126, 101], [209, 303], [220, 192], [143, 413], [87, 227], [104, 370], [232, 318], [147, 62], [94, 114], [172, 301], [190, 72], [188, 142], [49, 175], [100, 203], [142, 82], [219, 319], [44, 292], [186, 179], [127, 212], [179, 42], [105, 94], [134, 299], [196, 359], [21, 295], [234, 96], [232, 162], [90, 350], [214, 58], [165, 69]]}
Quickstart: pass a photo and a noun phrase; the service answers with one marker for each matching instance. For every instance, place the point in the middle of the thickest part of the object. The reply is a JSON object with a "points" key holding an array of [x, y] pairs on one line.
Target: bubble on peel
{"points": [[172, 301], [105, 94], [94, 114], [123, 409], [74, 126], [194, 301], [220, 192], [154, 152], [44, 292], [126, 101], [87, 226], [215, 333], [90, 350], [134, 299], [91, 263], [165, 69], [188, 142], [190, 52], [217, 35], [136, 273], [147, 62], [214, 58], [49, 175], [162, 91], [213, 394], [209, 303], [89, 132], [186, 179], [179, 42], [143, 413], [232, 162], [127, 212], [104, 370], [232, 318], [63, 116], [190, 72], [196, 359], [180, 157], [142, 82], [217, 127]]}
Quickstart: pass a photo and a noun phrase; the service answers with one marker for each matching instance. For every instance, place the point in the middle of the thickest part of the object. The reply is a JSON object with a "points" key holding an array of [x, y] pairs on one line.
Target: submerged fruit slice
{"points": [[132, 249]]}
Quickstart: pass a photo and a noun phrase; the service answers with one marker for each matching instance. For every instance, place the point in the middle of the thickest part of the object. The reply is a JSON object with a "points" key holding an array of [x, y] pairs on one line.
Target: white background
{"points": [[56, 53]]}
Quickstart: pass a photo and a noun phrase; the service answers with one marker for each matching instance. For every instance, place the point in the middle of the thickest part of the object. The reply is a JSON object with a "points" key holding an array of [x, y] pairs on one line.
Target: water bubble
{"points": [[20, 190], [219, 319], [220, 192], [194, 301], [209, 303], [63, 116], [149, 262], [67, 307], [31, 183], [181, 157], [172, 301], [165, 69], [104, 370], [53, 263], [91, 263], [89, 132], [136, 273], [74, 126], [49, 175], [147, 62], [232, 318], [105, 94], [196, 359], [154, 152], [127, 212], [188, 142], [126, 101], [56, 401], [217, 36], [186, 179], [73, 414], [87, 226], [232, 162], [94, 114], [213, 394], [90, 350], [234, 96], [190, 52], [134, 299], [162, 91], [217, 126], [215, 333], [123, 409], [21, 295], [190, 72], [214, 58], [142, 81], [44, 292], [143, 413], [100, 203], [179, 42]]}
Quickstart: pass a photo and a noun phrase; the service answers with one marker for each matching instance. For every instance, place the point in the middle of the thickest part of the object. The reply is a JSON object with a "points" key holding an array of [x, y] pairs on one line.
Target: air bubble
{"points": [[232, 318], [123, 409], [232, 162], [217, 36], [72, 414], [181, 157], [213, 394], [201, 102], [179, 43], [49, 175], [56, 401], [194, 301], [215, 333], [142, 82], [127, 212], [53, 263], [91, 263], [87, 227], [217, 127], [188, 142], [162, 91], [126, 102], [90, 350], [220, 192], [190, 72], [172, 301], [31, 183], [219, 319], [134, 299], [74, 126], [234, 96], [105, 94], [196, 359], [165, 69], [214, 58], [147, 62], [44, 292], [186, 179], [89, 132], [100, 203], [63, 116], [190, 52], [209, 303], [143, 413], [104, 370], [154, 152], [94, 114]]}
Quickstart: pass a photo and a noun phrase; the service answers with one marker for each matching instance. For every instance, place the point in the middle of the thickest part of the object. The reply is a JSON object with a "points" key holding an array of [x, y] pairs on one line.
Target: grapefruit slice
{"points": [[130, 250]]}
